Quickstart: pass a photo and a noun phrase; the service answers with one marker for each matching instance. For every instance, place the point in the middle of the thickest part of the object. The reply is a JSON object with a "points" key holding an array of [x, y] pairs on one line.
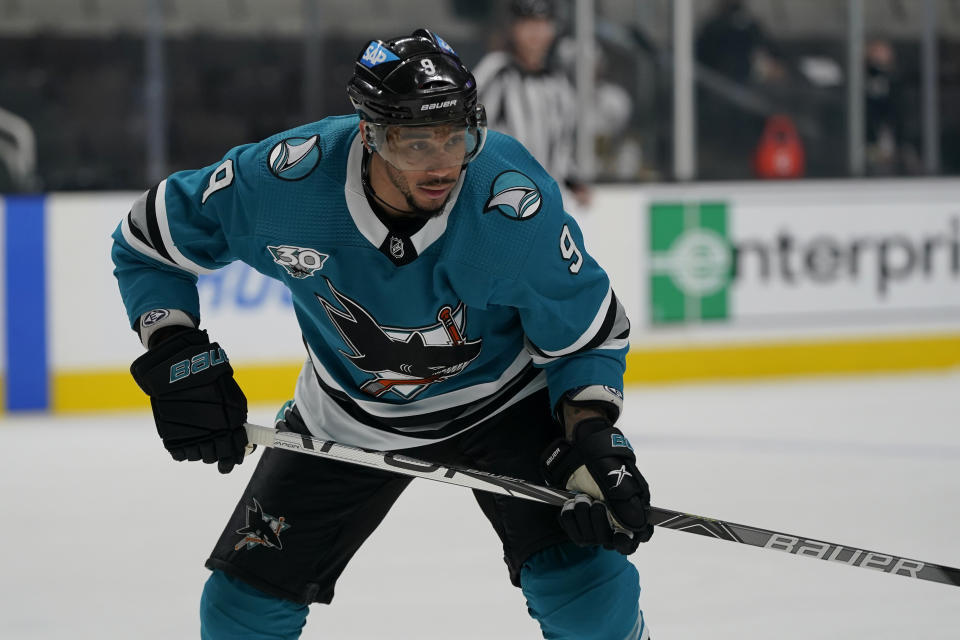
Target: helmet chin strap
{"points": [[368, 190]]}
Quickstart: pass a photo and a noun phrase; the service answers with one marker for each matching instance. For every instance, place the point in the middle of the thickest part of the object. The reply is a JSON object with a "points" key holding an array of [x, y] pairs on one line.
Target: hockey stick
{"points": [[710, 527]]}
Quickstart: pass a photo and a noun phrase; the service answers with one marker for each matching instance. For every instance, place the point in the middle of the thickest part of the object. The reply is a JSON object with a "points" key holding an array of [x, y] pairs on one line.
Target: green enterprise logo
{"points": [[691, 262]]}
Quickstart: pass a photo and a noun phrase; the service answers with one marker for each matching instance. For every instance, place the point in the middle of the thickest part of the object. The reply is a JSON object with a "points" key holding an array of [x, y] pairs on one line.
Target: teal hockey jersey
{"points": [[411, 339]]}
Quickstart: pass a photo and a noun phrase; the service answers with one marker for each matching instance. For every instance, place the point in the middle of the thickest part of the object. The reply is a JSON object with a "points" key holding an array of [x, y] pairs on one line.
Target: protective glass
{"points": [[426, 147]]}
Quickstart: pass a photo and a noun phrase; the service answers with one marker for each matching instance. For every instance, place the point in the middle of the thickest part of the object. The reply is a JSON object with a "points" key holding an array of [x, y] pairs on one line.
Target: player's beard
{"points": [[400, 181]]}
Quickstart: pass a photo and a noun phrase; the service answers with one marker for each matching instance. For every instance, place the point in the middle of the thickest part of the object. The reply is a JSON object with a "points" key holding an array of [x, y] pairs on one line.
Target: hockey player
{"points": [[448, 309]]}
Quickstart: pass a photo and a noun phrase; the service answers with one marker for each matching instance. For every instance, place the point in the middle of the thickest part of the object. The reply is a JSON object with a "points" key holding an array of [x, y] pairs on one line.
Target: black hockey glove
{"points": [[197, 405], [600, 464]]}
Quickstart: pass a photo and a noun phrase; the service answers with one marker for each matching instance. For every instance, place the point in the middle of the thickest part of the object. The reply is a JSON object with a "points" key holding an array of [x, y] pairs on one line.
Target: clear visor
{"points": [[426, 147]]}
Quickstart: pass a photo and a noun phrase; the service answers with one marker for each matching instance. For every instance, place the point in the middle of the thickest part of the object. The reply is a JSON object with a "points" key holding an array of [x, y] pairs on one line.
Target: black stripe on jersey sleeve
{"points": [[537, 350], [609, 320], [612, 320], [135, 230], [153, 227]]}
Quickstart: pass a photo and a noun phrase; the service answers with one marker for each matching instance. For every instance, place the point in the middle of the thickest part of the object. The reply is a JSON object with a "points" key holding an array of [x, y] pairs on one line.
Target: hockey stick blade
{"points": [[666, 518], [801, 546]]}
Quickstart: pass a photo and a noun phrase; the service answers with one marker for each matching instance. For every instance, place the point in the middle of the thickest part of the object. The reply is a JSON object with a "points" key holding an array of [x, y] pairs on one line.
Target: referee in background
{"points": [[529, 99]]}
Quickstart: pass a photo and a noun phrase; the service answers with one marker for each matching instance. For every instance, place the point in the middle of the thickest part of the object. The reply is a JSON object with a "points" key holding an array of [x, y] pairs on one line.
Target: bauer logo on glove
{"points": [[620, 440], [202, 416], [196, 364]]}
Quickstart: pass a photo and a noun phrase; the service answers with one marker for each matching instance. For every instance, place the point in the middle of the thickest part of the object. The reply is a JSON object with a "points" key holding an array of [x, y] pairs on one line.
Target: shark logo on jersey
{"points": [[294, 158], [261, 529], [514, 195], [405, 361]]}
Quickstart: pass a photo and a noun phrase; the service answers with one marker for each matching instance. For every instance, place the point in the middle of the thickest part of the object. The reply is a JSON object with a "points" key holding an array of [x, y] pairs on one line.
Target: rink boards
{"points": [[720, 281]]}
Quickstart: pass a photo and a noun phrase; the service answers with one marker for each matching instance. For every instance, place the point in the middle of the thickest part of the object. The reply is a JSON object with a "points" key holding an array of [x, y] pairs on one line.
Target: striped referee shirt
{"points": [[538, 109]]}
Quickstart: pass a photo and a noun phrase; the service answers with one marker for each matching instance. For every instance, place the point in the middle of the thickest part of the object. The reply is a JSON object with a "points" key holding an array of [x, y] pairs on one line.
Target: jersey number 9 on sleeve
{"points": [[568, 249], [221, 178]]}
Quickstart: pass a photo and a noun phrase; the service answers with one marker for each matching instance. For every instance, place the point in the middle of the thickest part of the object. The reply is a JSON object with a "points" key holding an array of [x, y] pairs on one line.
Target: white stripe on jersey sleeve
{"points": [[160, 206], [615, 344], [145, 249], [590, 333]]}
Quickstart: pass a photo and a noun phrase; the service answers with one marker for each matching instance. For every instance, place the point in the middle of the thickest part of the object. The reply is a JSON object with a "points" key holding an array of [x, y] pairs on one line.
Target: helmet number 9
{"points": [[568, 249], [428, 67]]}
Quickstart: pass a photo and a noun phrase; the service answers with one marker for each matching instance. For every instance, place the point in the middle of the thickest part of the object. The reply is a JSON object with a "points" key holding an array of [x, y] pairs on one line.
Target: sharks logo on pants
{"points": [[404, 361], [261, 529], [515, 196]]}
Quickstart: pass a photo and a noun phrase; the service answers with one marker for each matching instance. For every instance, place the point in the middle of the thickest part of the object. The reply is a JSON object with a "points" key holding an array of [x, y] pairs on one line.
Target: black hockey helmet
{"points": [[415, 80], [533, 9]]}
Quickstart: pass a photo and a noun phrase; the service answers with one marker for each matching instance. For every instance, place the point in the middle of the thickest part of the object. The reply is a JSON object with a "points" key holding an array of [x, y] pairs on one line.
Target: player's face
{"points": [[423, 164], [425, 192]]}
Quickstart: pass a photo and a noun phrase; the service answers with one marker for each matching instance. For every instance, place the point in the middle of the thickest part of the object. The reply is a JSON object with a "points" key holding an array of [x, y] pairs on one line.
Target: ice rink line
{"points": [[761, 446]]}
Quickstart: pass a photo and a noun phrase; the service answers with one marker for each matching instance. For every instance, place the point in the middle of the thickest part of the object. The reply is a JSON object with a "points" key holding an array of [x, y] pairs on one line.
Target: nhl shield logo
{"points": [[515, 196], [396, 247], [294, 158]]}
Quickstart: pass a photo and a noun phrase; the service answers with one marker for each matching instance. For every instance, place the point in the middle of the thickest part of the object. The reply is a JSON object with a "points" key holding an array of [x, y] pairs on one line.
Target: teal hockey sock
{"points": [[583, 593], [233, 610]]}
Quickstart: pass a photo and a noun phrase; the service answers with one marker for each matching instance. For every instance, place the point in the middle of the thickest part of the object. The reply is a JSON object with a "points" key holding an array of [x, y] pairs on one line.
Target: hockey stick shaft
{"points": [[405, 465], [666, 518]]}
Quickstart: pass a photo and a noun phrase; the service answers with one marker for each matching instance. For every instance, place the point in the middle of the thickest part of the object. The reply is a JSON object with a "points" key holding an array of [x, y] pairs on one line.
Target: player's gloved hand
{"points": [[599, 462], [198, 407]]}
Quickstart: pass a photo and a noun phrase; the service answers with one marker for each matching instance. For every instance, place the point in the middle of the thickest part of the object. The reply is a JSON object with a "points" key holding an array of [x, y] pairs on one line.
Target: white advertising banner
{"points": [[250, 315], [802, 256], [706, 263], [845, 261]]}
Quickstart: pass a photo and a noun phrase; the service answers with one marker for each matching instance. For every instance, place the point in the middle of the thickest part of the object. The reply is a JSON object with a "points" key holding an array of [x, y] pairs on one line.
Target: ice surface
{"points": [[105, 536]]}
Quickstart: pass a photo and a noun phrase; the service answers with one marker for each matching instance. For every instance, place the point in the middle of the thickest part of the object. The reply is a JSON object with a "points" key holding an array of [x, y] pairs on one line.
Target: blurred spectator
{"points": [[733, 42], [737, 139], [531, 100], [18, 154], [884, 114], [618, 154]]}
